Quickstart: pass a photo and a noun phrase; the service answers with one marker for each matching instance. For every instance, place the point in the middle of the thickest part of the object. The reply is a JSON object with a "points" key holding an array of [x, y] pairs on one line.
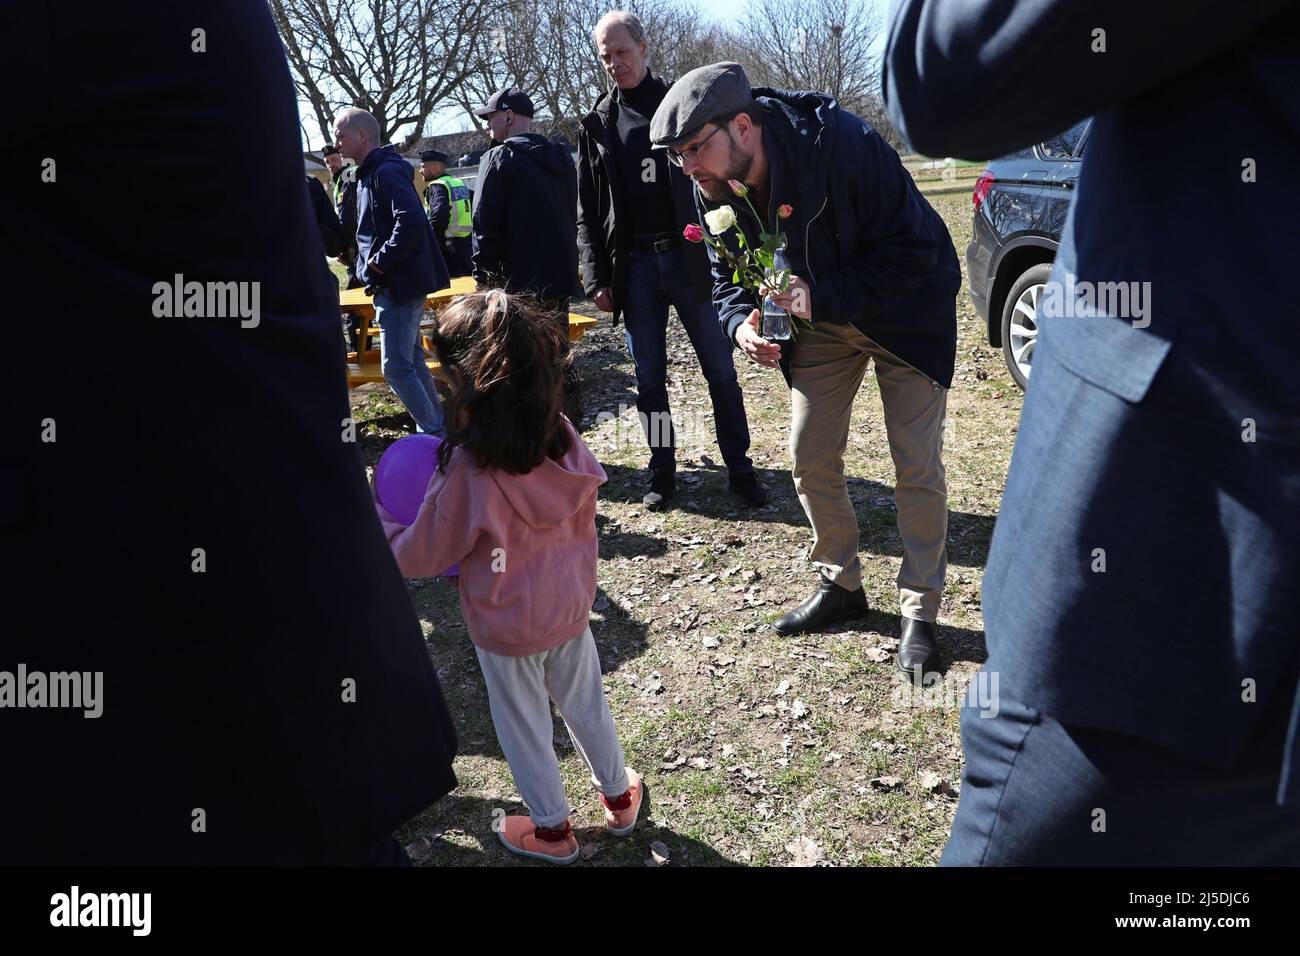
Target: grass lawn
{"points": [[757, 749]]}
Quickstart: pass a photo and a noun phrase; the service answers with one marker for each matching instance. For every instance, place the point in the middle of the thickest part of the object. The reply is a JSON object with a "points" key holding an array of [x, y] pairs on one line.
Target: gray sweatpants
{"points": [[520, 691]]}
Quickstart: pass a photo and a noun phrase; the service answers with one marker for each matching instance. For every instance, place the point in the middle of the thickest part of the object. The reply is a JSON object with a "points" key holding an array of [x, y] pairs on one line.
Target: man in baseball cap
{"points": [[525, 222], [874, 270], [511, 99]]}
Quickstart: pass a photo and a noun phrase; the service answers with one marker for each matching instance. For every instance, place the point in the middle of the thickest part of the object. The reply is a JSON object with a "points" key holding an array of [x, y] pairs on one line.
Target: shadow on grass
{"points": [[458, 831], [956, 644], [873, 502]]}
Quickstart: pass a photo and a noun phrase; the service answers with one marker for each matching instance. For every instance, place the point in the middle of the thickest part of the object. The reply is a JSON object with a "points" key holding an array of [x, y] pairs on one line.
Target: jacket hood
{"points": [[551, 493], [550, 156], [811, 123], [383, 155]]}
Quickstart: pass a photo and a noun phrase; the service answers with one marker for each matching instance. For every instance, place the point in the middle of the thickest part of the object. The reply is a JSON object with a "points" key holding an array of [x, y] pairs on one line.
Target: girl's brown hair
{"points": [[504, 359]]}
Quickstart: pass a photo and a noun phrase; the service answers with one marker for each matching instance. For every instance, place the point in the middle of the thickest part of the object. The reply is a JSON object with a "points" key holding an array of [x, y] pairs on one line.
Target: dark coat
{"points": [[393, 232], [602, 246], [222, 687], [327, 220], [873, 252], [525, 233], [1133, 434], [438, 204], [345, 204]]}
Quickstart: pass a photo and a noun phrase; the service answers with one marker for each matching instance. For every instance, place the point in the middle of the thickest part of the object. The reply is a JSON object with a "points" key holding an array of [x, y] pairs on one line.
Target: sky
{"points": [[720, 11]]}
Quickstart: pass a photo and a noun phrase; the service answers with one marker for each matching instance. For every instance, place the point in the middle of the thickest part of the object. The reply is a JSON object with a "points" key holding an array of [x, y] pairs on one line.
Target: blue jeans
{"points": [[403, 362], [654, 280]]}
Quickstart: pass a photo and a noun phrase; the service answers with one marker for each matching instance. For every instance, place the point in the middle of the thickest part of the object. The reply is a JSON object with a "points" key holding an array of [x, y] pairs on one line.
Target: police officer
{"points": [[451, 212], [345, 204]]}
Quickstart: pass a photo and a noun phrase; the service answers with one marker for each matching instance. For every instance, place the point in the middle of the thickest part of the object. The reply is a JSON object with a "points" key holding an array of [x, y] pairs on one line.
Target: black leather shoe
{"points": [[747, 488], [663, 485], [918, 650], [830, 605]]}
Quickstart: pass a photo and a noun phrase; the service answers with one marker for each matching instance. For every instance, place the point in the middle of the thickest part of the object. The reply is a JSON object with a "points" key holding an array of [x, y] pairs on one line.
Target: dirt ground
{"points": [[756, 749]]}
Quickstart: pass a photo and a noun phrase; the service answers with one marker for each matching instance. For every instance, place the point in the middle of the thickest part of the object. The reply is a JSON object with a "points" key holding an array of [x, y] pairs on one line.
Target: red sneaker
{"points": [[554, 845], [621, 812]]}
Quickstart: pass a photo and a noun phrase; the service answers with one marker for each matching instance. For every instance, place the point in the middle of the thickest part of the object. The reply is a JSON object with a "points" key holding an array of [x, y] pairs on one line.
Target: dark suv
{"points": [[1020, 203]]}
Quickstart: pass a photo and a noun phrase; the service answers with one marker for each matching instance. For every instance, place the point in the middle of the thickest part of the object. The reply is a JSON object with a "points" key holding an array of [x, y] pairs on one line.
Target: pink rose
{"points": [[693, 233], [785, 211], [739, 188]]}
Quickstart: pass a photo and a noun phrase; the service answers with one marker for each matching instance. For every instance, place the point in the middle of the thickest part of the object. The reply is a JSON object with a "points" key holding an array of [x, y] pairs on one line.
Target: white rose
{"points": [[720, 219]]}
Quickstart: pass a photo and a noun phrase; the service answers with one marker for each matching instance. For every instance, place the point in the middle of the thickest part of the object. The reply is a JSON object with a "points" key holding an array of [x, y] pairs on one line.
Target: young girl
{"points": [[513, 502]]}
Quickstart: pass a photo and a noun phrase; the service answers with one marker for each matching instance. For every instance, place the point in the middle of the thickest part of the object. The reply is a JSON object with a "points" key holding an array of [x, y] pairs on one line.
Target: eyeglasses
{"points": [[679, 159]]}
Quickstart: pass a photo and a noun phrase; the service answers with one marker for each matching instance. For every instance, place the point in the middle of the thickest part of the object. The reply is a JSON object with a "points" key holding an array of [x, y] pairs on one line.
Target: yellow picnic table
{"points": [[364, 364], [356, 302]]}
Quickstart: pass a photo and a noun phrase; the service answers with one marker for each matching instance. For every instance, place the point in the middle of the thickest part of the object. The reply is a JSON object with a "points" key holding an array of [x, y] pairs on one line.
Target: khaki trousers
{"points": [[826, 371]]}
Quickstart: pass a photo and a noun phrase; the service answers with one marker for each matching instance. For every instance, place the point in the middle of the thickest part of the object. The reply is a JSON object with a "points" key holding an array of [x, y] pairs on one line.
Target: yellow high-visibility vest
{"points": [[461, 221]]}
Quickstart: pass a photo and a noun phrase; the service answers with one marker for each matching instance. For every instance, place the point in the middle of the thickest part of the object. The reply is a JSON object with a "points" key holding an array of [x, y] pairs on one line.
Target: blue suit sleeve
{"points": [[981, 78]]}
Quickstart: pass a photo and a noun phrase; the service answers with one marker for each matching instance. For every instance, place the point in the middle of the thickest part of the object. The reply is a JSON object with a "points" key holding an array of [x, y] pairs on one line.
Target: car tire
{"points": [[1019, 323]]}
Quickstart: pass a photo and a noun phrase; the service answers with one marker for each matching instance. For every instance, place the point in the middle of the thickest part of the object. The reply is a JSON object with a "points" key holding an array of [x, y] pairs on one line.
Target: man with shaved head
{"points": [[397, 257]]}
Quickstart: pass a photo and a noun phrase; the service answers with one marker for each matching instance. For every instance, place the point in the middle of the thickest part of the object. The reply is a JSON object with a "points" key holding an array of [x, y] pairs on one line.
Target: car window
{"points": [[1064, 145]]}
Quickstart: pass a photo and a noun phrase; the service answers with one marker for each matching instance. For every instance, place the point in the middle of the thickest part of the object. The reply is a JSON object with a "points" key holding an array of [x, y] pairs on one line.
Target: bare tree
{"points": [[822, 45], [395, 58], [545, 48]]}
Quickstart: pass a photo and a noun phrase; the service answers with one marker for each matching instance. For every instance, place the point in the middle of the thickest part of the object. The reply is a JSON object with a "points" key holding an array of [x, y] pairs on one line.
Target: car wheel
{"points": [[1020, 323]]}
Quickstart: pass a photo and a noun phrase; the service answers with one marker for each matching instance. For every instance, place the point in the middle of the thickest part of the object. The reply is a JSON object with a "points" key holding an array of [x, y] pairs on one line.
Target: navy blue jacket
{"points": [[873, 252], [223, 681], [525, 218], [1132, 434], [393, 232]]}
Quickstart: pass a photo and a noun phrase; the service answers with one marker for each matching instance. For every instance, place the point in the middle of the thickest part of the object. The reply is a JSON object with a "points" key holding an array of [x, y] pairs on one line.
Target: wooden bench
{"points": [[364, 364]]}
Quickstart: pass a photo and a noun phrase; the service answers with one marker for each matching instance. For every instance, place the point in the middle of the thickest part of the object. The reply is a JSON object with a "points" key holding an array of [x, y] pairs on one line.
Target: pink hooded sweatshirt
{"points": [[526, 546]]}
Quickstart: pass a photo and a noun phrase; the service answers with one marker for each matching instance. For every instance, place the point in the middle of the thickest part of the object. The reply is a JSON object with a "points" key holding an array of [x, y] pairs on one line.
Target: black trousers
{"points": [[458, 253], [385, 852], [573, 408]]}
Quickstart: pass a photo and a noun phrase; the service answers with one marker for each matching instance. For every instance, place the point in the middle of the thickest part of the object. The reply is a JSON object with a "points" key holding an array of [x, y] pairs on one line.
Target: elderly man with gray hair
{"points": [[397, 256], [632, 207]]}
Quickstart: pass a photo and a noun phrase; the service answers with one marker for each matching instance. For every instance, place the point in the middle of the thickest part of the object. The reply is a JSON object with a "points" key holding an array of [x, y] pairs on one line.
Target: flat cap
{"points": [[511, 98], [698, 97], [433, 156]]}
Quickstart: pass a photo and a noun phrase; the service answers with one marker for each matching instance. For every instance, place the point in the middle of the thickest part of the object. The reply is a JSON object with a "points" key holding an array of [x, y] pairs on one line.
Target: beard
{"points": [[738, 167]]}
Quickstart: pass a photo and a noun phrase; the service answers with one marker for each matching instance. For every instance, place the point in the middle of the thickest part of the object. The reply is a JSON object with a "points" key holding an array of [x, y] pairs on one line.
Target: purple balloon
{"points": [[402, 478], [403, 473]]}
